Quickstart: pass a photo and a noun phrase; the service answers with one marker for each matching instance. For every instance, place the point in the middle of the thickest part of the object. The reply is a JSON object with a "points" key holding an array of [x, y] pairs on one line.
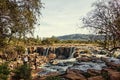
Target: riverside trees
{"points": [[105, 19], [17, 18]]}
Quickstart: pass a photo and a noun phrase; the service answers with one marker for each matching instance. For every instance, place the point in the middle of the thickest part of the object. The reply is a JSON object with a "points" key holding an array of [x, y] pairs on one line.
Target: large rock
{"points": [[93, 72], [96, 78], [52, 56], [64, 52], [114, 75], [40, 50], [112, 65], [111, 74], [76, 55], [74, 75], [84, 59]]}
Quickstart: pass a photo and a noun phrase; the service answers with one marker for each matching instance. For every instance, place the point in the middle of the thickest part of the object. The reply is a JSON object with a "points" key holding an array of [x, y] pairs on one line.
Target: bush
{"points": [[20, 49], [102, 52], [87, 75], [47, 41], [118, 69], [86, 51], [105, 75], [23, 72], [9, 53], [4, 71]]}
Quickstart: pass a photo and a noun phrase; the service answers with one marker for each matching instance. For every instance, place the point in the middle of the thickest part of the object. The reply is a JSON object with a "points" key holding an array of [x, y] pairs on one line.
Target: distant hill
{"points": [[83, 37]]}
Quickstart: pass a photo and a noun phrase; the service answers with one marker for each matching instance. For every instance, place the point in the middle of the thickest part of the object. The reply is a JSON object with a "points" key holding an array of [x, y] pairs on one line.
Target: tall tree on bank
{"points": [[17, 17], [105, 19]]}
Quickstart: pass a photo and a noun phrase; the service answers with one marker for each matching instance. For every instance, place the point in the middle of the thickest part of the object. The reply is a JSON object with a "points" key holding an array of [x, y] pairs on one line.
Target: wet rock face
{"points": [[61, 52], [40, 50]]}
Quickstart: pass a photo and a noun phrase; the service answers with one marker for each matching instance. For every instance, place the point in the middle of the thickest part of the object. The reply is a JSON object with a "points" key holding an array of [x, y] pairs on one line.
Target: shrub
{"points": [[118, 69], [105, 75], [23, 72], [86, 51], [102, 52], [20, 49], [87, 75], [9, 53], [4, 71], [47, 41]]}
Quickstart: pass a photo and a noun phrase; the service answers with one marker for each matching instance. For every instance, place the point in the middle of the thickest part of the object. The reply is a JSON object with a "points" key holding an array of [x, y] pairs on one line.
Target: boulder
{"points": [[96, 78], [114, 75], [93, 72], [112, 65], [76, 55], [52, 56], [84, 59], [111, 74], [74, 75]]}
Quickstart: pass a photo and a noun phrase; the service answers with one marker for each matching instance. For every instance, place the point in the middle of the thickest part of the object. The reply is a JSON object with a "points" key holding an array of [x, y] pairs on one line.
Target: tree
{"points": [[23, 72], [105, 19], [17, 17]]}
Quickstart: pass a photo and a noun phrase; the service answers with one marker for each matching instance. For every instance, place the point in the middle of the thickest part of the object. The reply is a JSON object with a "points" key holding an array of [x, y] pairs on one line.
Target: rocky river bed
{"points": [[87, 67], [79, 63]]}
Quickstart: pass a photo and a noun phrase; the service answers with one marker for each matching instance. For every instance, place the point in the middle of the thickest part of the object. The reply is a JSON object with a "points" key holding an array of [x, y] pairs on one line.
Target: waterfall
{"points": [[44, 52], [72, 52], [47, 51], [54, 50]]}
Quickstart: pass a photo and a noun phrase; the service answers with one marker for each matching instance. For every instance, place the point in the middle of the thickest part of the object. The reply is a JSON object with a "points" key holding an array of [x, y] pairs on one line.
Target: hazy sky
{"points": [[62, 17]]}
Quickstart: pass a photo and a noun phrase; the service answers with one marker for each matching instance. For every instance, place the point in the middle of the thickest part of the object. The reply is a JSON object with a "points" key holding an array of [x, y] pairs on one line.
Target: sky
{"points": [[62, 17]]}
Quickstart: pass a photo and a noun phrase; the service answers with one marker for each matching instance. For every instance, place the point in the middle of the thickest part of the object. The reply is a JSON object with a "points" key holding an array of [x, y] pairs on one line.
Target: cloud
{"points": [[60, 17]]}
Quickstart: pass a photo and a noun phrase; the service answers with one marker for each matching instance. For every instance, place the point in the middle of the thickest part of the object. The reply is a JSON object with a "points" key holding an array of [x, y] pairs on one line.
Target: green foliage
{"points": [[18, 18], [53, 78], [20, 49], [4, 71], [104, 19], [23, 72], [102, 52], [9, 52], [33, 41], [105, 75], [3, 43], [87, 75], [118, 69], [50, 41]]}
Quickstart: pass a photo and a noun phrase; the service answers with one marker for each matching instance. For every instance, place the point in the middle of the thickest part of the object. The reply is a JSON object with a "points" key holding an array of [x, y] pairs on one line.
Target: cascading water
{"points": [[47, 50], [72, 52], [44, 52], [63, 64]]}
